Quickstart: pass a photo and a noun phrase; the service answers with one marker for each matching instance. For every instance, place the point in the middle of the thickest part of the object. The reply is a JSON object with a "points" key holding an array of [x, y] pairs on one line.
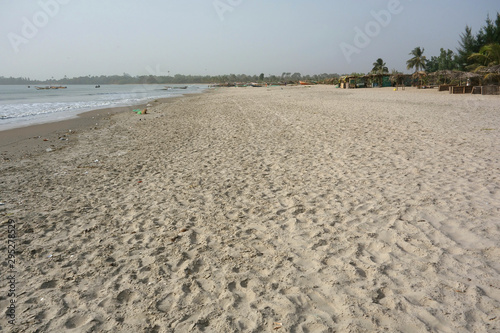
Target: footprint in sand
{"points": [[126, 296], [49, 284], [76, 321]]}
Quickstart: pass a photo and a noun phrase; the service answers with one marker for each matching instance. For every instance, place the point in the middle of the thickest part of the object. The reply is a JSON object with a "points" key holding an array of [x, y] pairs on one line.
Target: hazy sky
{"points": [[53, 38]]}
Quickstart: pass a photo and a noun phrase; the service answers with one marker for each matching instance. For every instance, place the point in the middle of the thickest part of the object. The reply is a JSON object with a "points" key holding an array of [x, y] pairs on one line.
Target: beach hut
{"points": [[420, 77], [463, 83], [469, 78], [343, 82], [400, 80], [379, 79], [491, 74], [444, 79], [351, 81], [443, 76]]}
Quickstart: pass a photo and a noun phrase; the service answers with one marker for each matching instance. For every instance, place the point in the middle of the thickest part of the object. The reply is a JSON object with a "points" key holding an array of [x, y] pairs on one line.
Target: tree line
{"points": [[474, 52], [175, 79]]}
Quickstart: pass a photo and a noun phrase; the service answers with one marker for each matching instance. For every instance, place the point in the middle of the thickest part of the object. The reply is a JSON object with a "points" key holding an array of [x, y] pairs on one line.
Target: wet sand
{"points": [[27, 141]]}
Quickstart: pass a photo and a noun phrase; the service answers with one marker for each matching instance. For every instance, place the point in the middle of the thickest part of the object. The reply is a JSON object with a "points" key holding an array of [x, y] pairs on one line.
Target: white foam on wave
{"points": [[32, 107]]}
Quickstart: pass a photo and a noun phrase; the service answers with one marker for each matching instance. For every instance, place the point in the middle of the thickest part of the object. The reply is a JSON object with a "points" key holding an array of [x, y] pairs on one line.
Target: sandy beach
{"points": [[281, 209]]}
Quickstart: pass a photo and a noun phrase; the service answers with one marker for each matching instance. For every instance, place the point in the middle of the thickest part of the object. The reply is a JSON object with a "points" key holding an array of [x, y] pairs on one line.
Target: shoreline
{"points": [[28, 140], [76, 101]]}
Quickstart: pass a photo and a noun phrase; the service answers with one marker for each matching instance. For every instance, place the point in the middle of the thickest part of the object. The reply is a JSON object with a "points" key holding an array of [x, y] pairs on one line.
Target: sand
{"points": [[294, 209]]}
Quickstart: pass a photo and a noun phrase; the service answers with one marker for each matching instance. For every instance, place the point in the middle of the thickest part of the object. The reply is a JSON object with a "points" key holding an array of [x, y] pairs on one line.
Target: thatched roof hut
{"points": [[419, 74], [401, 79], [457, 77], [351, 81], [493, 69], [445, 74], [469, 76], [491, 74]]}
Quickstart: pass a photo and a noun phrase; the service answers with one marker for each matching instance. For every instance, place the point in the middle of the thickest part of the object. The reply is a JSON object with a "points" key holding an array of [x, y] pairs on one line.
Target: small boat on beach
{"points": [[306, 83]]}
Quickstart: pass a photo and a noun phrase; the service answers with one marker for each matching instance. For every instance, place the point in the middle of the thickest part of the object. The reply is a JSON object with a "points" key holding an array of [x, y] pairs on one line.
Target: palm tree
{"points": [[488, 55], [379, 67], [418, 61]]}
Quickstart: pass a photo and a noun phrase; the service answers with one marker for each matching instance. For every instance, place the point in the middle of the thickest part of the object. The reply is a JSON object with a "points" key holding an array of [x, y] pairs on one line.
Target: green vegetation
{"points": [[379, 67], [418, 61], [445, 61], [470, 44], [176, 79], [474, 52], [488, 55]]}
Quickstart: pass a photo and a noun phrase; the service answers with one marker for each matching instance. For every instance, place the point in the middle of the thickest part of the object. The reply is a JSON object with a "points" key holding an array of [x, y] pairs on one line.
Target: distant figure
{"points": [[468, 82]]}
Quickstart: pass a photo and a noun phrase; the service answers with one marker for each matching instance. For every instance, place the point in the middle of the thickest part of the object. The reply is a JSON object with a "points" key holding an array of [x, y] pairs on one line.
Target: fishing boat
{"points": [[169, 88], [50, 87], [305, 83]]}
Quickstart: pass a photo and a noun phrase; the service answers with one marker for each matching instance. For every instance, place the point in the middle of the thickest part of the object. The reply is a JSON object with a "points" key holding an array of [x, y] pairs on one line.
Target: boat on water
{"points": [[50, 87], [169, 88]]}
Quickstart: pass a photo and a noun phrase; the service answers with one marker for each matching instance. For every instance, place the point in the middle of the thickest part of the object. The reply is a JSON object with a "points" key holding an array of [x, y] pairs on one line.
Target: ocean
{"points": [[22, 106]]}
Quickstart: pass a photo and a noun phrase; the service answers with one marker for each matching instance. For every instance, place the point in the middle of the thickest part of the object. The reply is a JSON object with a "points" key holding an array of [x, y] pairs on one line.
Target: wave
{"points": [[80, 99]]}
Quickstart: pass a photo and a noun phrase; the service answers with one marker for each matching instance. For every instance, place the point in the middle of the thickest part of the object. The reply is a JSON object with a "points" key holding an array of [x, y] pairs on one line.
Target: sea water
{"points": [[23, 106]]}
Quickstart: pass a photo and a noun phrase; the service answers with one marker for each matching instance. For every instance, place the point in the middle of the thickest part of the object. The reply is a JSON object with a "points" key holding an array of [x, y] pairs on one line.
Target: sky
{"points": [[41, 39]]}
